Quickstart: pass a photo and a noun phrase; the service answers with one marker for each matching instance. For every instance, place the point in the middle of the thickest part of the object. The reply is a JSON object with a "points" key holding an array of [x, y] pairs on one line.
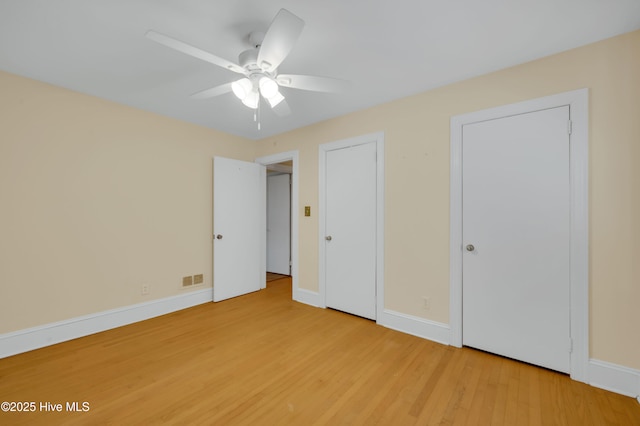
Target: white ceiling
{"points": [[387, 49]]}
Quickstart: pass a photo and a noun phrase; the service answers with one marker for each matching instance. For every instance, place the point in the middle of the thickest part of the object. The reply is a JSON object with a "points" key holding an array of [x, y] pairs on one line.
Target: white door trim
{"points": [[577, 101], [378, 139], [279, 158]]}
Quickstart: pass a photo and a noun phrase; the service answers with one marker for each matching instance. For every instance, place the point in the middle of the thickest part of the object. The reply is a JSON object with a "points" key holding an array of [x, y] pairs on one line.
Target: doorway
{"points": [[464, 253], [287, 163]]}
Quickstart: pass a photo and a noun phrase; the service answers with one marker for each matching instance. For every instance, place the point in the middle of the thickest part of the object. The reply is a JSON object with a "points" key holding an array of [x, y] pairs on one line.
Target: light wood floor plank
{"points": [[262, 359]]}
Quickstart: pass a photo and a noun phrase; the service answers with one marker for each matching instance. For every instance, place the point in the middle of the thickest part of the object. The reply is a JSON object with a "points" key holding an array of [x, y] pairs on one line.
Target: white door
{"points": [[239, 227], [279, 223], [350, 240], [516, 237]]}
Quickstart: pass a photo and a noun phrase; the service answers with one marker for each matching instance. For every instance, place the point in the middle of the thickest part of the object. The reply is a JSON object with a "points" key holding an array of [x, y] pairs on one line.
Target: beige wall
{"points": [[96, 199], [417, 183]]}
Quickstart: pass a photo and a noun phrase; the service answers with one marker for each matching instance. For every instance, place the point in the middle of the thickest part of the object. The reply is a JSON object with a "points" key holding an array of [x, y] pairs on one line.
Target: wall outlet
{"points": [[187, 281], [144, 289], [198, 279], [426, 303]]}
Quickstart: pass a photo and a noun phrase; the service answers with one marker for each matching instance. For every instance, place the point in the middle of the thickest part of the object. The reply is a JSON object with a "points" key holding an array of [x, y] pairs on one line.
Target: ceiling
{"points": [[386, 49]]}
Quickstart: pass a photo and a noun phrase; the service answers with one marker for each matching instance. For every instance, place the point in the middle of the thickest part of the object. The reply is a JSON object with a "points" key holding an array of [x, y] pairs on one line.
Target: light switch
{"points": [[307, 210]]}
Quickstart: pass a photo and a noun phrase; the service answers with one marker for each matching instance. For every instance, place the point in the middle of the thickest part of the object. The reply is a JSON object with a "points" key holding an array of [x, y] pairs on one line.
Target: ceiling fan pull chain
{"points": [[259, 113]]}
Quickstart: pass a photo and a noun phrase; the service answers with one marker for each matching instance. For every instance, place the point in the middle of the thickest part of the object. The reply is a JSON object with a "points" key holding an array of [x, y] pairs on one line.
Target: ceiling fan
{"points": [[259, 66]]}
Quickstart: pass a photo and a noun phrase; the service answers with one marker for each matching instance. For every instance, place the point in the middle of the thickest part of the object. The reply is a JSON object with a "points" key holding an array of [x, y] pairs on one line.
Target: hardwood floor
{"points": [[272, 276], [262, 359]]}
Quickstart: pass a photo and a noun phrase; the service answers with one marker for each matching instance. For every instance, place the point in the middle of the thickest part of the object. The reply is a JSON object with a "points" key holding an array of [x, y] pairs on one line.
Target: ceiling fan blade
{"points": [[282, 109], [313, 83], [279, 39], [214, 91], [190, 50]]}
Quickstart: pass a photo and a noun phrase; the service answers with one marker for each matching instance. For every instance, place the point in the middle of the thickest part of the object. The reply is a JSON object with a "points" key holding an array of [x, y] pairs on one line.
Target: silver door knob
{"points": [[328, 238], [470, 247], [219, 236]]}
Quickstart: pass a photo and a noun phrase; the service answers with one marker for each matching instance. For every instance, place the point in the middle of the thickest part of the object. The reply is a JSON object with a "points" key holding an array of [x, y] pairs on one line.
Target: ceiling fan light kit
{"points": [[245, 89], [268, 87], [241, 88], [252, 99], [259, 65]]}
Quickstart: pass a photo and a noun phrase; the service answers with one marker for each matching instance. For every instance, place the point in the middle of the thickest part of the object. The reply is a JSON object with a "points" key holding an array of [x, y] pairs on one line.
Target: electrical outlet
{"points": [[426, 303], [198, 279], [187, 281], [144, 289]]}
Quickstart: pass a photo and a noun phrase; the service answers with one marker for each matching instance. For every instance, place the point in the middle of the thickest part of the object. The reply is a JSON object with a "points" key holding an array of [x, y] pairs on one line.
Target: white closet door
{"points": [[516, 237], [350, 240]]}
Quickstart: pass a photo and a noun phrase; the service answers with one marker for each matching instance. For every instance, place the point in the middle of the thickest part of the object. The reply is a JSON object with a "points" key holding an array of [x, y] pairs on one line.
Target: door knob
{"points": [[328, 238], [219, 236], [470, 247]]}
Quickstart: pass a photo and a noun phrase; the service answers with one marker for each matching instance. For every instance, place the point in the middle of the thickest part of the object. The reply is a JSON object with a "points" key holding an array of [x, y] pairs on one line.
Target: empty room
{"points": [[282, 212]]}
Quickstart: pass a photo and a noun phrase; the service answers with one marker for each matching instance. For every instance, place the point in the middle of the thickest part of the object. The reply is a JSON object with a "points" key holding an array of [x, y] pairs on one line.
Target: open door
{"points": [[239, 226]]}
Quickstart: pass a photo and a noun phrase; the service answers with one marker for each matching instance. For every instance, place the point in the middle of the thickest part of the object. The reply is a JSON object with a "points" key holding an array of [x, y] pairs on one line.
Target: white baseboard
{"points": [[307, 297], [416, 326], [614, 378], [49, 334]]}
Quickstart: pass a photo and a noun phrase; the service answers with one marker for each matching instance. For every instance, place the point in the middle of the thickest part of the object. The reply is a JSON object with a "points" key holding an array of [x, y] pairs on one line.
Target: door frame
{"points": [[323, 149], [279, 158], [577, 101]]}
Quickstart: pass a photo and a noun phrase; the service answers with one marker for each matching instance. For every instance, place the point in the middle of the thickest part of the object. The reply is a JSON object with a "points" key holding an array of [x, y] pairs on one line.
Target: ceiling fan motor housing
{"points": [[249, 60]]}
